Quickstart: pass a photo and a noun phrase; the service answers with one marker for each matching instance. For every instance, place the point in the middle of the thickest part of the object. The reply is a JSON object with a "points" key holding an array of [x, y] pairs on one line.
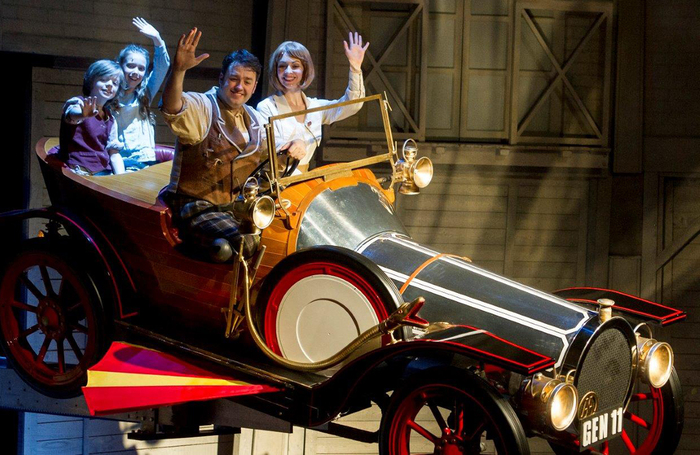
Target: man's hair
{"points": [[296, 50], [100, 69], [242, 58]]}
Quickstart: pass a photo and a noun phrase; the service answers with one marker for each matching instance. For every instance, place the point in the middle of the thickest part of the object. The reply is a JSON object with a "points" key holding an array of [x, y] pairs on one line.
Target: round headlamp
{"points": [[263, 212], [561, 406], [422, 172], [554, 400], [656, 361], [414, 174]]}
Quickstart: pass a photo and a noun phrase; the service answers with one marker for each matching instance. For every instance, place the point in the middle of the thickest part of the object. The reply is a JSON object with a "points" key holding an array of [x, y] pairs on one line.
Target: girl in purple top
{"points": [[87, 124]]}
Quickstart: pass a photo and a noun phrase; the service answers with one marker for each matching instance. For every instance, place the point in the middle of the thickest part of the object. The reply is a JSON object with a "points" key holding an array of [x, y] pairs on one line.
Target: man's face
{"points": [[237, 86]]}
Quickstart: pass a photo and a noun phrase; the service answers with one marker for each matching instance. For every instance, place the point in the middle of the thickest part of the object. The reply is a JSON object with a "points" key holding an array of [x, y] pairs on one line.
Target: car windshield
{"points": [[390, 156]]}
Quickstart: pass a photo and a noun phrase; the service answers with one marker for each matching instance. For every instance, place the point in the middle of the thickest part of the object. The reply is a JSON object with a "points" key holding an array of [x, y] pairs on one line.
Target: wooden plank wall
{"points": [[530, 229], [680, 288]]}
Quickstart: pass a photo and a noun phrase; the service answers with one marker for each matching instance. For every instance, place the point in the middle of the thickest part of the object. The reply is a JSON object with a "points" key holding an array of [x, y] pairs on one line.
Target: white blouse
{"points": [[310, 130], [136, 134]]}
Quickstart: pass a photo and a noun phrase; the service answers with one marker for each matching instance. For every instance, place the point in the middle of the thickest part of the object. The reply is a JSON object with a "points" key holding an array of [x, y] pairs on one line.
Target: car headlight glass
{"points": [[561, 406], [422, 172], [263, 212], [658, 364]]}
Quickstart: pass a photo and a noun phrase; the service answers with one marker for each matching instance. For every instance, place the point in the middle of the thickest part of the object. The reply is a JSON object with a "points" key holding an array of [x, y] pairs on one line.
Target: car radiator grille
{"points": [[607, 369]]}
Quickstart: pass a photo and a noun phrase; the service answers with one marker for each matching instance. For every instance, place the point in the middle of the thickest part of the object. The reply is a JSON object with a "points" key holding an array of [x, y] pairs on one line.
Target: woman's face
{"points": [[134, 68], [290, 72]]}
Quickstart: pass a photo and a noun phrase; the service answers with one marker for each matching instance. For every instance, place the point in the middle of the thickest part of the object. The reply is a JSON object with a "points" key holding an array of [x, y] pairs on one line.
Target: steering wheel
{"points": [[264, 167]]}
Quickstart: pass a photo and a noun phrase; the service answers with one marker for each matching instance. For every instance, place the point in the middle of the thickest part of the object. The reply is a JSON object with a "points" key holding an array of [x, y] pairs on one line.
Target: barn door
{"points": [[393, 64], [561, 73]]}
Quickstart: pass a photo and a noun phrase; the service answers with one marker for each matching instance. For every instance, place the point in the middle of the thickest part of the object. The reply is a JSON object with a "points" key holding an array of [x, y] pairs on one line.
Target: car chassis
{"points": [[337, 309]]}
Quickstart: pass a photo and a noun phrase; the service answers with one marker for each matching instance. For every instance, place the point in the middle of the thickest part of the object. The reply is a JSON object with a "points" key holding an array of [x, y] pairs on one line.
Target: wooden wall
{"points": [[525, 215]]}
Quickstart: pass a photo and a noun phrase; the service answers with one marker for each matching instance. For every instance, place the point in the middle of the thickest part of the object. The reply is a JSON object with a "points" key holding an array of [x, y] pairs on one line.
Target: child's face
{"points": [[134, 68], [105, 89]]}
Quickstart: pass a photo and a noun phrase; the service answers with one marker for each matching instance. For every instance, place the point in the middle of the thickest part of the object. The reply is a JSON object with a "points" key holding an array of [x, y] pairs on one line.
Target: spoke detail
{"points": [[75, 306], [74, 346], [638, 420], [23, 306], [31, 287], [459, 416], [79, 327], [641, 396], [61, 357], [436, 414], [26, 333], [628, 442], [47, 280], [42, 352], [422, 431], [477, 431]]}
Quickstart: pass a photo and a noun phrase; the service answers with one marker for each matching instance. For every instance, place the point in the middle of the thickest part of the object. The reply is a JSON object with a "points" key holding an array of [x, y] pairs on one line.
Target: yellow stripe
{"points": [[114, 379]]}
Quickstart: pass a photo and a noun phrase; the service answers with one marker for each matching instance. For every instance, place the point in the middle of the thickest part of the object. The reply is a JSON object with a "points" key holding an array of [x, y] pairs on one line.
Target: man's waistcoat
{"points": [[215, 169]]}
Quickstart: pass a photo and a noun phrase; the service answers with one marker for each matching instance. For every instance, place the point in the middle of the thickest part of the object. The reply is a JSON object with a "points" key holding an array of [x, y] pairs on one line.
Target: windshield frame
{"points": [[390, 156]]}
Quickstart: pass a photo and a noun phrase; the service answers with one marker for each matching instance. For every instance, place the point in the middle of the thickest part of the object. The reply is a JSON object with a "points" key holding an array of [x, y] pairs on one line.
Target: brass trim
{"points": [[588, 405]]}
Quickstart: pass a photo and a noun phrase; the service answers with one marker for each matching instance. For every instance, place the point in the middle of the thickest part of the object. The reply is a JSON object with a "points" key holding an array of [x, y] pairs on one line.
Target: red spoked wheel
{"points": [[450, 412], [653, 422], [51, 320], [316, 301]]}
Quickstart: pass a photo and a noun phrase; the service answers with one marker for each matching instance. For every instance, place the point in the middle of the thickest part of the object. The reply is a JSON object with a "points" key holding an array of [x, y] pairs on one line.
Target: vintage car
{"points": [[337, 309]]}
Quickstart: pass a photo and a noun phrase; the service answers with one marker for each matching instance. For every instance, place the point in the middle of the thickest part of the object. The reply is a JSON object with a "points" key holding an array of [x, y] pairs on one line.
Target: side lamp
{"points": [[413, 173], [253, 211]]}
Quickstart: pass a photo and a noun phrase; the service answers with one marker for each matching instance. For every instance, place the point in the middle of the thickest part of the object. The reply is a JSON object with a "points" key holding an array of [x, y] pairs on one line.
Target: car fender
{"points": [[635, 309], [88, 240], [390, 364]]}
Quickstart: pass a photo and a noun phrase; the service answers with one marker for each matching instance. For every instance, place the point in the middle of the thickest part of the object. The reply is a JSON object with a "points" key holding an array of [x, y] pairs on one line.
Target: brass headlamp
{"points": [[253, 211], [655, 361], [413, 174], [553, 400]]}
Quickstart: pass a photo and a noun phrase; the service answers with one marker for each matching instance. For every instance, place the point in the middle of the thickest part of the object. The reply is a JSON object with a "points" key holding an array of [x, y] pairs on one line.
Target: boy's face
{"points": [[134, 68], [105, 89], [237, 85]]}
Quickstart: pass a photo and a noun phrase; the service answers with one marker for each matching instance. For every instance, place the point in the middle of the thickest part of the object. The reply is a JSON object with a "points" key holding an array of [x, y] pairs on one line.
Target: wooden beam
{"points": [[671, 251], [385, 84], [561, 72], [579, 103], [394, 39]]}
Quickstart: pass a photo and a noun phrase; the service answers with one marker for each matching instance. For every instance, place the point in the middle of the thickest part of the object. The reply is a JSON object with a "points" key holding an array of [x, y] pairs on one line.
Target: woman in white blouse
{"points": [[291, 71]]}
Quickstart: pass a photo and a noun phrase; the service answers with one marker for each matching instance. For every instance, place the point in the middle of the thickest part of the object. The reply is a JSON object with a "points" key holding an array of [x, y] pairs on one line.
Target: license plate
{"points": [[600, 427]]}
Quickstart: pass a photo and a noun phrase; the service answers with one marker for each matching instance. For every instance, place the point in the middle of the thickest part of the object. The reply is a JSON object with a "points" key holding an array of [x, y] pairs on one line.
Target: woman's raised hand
{"points": [[147, 29], [185, 55], [355, 51]]}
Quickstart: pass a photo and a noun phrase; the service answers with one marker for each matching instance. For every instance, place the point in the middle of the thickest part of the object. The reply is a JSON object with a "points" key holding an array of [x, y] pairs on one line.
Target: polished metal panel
{"points": [[347, 217], [458, 292]]}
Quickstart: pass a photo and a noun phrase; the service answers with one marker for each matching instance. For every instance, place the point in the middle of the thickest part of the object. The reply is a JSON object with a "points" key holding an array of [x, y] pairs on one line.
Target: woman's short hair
{"points": [[100, 69], [296, 50]]}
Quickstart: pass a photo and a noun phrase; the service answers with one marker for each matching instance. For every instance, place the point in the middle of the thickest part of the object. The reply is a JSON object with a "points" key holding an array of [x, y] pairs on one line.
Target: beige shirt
{"points": [[191, 124]]}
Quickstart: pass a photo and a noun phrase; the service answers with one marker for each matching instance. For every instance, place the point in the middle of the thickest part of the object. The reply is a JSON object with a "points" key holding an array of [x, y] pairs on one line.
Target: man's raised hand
{"points": [[185, 56]]}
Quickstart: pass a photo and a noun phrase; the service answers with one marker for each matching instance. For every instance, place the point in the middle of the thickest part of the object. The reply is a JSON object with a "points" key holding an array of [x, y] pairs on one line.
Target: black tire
{"points": [[459, 407], [52, 321], [662, 410], [296, 279]]}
